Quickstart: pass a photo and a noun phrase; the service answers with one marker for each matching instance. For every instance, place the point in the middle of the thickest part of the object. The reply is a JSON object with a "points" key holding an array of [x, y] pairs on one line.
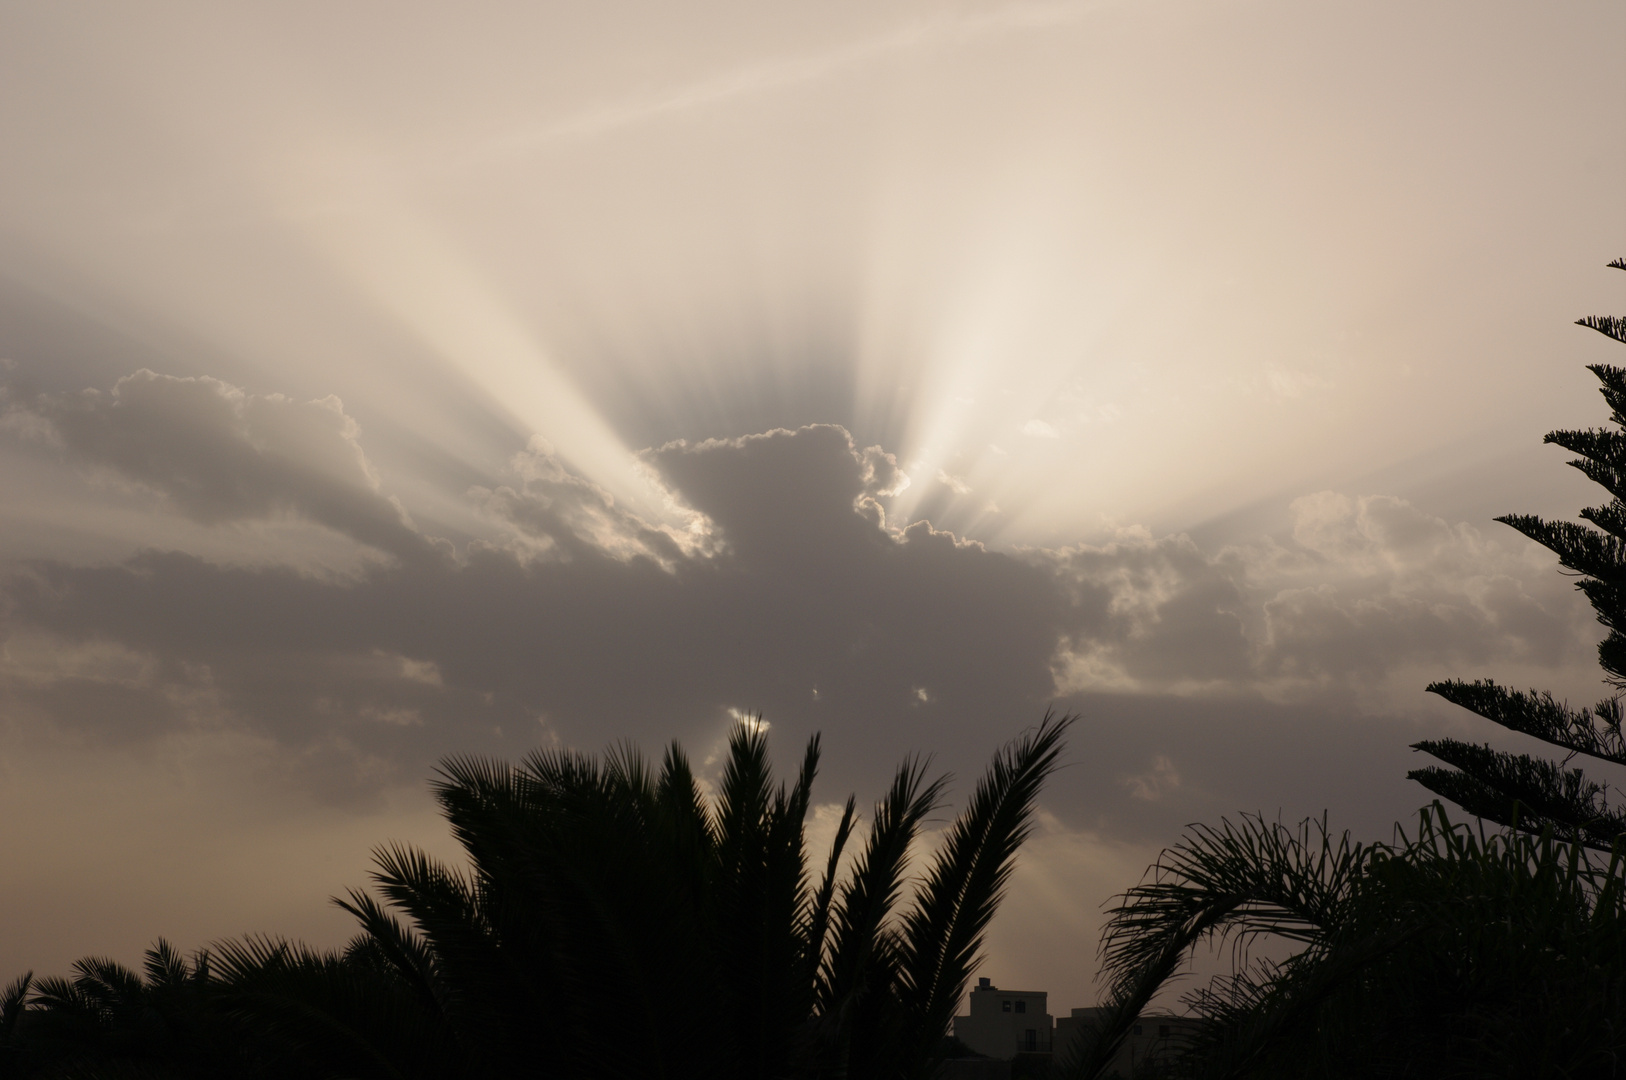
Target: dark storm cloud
{"points": [[800, 604], [786, 591]]}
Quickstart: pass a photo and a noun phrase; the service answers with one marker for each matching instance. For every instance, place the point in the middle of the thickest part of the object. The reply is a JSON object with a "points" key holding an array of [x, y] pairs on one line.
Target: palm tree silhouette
{"points": [[164, 1021], [1450, 952], [614, 922]]}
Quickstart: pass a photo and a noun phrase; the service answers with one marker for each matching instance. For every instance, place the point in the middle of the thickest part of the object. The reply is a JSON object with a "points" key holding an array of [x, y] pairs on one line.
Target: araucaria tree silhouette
{"points": [[1537, 793]]}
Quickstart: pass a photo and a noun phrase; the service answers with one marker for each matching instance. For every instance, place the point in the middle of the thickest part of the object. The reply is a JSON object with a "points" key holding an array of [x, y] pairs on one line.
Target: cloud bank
{"points": [[789, 591]]}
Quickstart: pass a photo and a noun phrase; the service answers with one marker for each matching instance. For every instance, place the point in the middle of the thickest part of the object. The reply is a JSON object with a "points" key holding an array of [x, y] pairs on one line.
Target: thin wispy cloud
{"points": [[789, 72]]}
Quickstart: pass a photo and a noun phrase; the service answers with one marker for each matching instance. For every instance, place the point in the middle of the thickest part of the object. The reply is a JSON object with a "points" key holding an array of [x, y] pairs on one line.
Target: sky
{"points": [[382, 381]]}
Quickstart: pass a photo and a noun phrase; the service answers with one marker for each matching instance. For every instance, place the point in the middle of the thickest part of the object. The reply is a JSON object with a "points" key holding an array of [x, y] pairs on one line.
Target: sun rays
{"points": [[950, 233], [415, 275]]}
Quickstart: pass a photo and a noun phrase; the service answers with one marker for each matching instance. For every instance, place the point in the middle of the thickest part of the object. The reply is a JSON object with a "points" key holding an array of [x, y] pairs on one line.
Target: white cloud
{"points": [[749, 720], [555, 514], [1152, 785], [421, 671], [1038, 429], [1363, 588], [1287, 384]]}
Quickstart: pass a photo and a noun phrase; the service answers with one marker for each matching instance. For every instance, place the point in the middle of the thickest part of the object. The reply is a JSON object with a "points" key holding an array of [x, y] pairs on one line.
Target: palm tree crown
{"points": [[611, 921]]}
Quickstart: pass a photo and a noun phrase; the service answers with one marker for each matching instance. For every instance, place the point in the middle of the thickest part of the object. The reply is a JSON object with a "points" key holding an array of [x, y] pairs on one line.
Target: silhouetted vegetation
{"points": [[1449, 953], [611, 922], [1537, 793]]}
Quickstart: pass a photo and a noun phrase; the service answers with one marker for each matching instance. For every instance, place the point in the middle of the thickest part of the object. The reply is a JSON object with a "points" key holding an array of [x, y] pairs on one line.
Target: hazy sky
{"points": [[382, 381]]}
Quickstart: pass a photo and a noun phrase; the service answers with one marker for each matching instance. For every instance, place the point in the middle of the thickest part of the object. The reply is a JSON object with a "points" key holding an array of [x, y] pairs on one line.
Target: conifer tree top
{"points": [[1517, 789]]}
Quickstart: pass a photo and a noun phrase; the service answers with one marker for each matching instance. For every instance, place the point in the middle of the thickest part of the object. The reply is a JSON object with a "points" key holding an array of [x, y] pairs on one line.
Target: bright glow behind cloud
{"points": [[1214, 274], [415, 274]]}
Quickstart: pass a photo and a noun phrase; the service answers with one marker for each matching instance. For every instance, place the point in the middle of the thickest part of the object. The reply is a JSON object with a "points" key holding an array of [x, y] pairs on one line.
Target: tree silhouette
{"points": [[1445, 954], [167, 1020], [612, 921], [1538, 793], [615, 923]]}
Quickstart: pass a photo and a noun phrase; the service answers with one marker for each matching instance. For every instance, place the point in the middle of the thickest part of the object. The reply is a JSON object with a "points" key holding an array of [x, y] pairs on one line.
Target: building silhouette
{"points": [[1154, 1039], [1004, 1023], [1007, 1024]]}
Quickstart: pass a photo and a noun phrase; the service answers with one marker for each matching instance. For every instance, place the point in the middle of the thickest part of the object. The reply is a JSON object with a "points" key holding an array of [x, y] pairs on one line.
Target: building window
{"points": [[1030, 1039], [1021, 1006], [1004, 1006]]}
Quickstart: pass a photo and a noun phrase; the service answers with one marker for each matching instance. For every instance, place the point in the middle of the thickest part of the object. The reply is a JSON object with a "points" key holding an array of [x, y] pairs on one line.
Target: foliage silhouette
{"points": [[1449, 954], [1530, 792], [611, 922], [168, 1020]]}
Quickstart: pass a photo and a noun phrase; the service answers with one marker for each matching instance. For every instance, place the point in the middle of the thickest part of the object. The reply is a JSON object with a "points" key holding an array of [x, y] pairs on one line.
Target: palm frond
{"points": [[1236, 882], [405, 951], [943, 930], [818, 920], [13, 1002], [871, 891], [325, 1015]]}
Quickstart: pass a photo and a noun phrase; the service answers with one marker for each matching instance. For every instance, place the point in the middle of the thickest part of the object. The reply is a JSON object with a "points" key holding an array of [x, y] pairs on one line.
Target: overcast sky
{"points": [[383, 381]]}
